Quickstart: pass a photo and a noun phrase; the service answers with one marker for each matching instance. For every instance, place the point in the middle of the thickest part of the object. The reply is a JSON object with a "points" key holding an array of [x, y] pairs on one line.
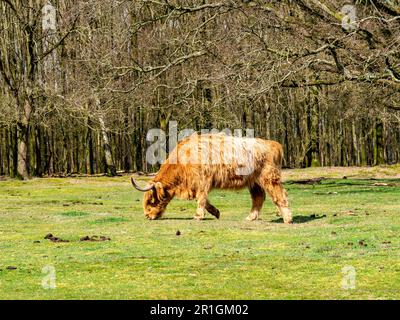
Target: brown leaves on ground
{"points": [[95, 238], [52, 238], [11, 268]]}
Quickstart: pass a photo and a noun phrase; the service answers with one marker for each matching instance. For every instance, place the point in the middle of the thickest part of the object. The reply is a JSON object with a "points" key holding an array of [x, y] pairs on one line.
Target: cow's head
{"points": [[155, 199]]}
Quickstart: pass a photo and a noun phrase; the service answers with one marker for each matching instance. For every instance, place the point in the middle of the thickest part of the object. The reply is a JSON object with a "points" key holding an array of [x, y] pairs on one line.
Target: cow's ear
{"points": [[159, 190]]}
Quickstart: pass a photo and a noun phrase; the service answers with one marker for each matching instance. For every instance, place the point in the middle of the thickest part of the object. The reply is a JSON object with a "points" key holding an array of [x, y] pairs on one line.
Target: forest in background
{"points": [[81, 82]]}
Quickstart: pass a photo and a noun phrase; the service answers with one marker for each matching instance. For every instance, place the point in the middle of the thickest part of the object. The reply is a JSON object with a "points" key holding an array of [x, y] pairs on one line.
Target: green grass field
{"points": [[339, 223]]}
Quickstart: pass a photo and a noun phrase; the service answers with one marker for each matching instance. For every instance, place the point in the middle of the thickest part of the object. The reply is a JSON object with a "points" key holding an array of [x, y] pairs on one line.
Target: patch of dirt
{"points": [[386, 244], [311, 181], [11, 268], [95, 238], [377, 172], [383, 184], [76, 202], [52, 238], [325, 193], [362, 243]]}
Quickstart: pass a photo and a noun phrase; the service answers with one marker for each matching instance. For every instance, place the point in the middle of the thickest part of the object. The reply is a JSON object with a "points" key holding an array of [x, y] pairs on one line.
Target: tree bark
{"points": [[111, 170], [23, 141]]}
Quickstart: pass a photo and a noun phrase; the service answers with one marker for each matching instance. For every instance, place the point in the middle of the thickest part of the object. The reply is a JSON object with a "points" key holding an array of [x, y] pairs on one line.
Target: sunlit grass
{"points": [[340, 222]]}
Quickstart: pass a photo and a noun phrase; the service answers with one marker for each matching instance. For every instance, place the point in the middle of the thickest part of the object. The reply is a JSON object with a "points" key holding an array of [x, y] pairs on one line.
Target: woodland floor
{"points": [[339, 223]]}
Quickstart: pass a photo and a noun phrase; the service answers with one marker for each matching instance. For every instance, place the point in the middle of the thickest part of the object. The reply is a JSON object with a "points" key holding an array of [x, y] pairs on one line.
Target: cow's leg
{"points": [[211, 209], [202, 195], [257, 197], [279, 197], [201, 206]]}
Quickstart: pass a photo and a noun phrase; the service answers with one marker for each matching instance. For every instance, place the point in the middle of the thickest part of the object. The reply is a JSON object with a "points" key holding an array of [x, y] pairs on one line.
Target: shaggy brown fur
{"points": [[203, 162]]}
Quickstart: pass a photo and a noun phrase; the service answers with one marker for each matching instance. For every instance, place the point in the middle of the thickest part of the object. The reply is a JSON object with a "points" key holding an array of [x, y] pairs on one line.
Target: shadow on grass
{"points": [[348, 181], [300, 219], [182, 218]]}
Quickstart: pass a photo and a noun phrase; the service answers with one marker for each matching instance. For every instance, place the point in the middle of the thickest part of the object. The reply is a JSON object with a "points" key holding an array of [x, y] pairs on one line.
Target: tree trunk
{"points": [[91, 156], [111, 170], [23, 142], [378, 143], [38, 153], [1, 153]]}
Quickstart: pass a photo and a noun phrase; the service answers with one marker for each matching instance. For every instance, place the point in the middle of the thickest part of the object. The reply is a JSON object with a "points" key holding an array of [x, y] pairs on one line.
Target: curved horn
{"points": [[143, 189]]}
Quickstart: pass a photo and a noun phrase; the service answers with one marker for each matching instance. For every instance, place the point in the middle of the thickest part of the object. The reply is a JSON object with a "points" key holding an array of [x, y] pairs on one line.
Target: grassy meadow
{"points": [[339, 223]]}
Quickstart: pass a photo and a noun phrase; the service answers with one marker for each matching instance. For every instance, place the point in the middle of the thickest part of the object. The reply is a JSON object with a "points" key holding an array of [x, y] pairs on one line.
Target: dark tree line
{"points": [[82, 82]]}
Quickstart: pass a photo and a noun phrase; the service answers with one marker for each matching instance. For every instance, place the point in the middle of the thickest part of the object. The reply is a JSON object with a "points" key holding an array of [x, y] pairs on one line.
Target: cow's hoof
{"points": [[251, 218], [198, 218]]}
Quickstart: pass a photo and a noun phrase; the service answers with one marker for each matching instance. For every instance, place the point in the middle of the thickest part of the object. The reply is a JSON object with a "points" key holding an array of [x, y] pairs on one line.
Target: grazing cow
{"points": [[200, 163]]}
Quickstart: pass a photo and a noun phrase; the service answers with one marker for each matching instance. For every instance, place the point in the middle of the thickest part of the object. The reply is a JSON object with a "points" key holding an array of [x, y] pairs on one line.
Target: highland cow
{"points": [[204, 162]]}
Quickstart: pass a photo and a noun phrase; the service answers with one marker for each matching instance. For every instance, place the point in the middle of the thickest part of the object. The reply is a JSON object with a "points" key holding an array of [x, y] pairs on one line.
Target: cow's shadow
{"points": [[184, 218], [300, 219]]}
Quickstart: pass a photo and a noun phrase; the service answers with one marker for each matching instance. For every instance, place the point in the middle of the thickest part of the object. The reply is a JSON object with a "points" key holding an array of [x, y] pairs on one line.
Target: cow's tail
{"points": [[283, 159], [280, 156], [279, 160]]}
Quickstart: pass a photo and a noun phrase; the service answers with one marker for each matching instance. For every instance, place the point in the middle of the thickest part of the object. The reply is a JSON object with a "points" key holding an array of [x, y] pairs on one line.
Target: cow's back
{"points": [[225, 161]]}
